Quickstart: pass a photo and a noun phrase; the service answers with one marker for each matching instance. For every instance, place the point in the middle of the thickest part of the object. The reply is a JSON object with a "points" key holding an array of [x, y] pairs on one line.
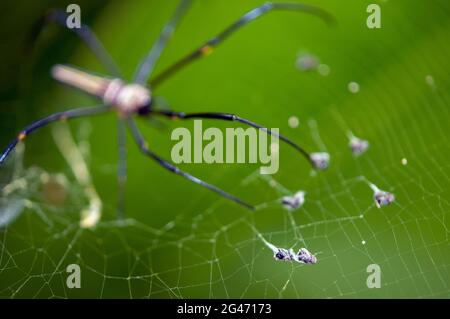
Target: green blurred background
{"points": [[182, 241]]}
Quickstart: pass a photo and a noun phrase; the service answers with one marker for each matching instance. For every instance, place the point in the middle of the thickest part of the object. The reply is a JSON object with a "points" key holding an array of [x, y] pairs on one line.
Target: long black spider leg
{"points": [[121, 166], [49, 119], [169, 166], [232, 117], [147, 65], [89, 38], [250, 16]]}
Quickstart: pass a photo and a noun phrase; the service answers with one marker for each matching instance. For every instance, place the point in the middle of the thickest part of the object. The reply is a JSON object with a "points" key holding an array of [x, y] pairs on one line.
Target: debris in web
{"points": [[307, 62], [284, 254], [90, 215], [33, 187], [25, 188], [303, 256], [289, 200], [319, 160], [294, 202], [357, 145], [381, 197]]}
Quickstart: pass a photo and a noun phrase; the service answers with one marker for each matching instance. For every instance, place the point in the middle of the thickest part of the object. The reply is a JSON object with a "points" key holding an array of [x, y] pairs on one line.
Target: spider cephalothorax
{"points": [[127, 98]]}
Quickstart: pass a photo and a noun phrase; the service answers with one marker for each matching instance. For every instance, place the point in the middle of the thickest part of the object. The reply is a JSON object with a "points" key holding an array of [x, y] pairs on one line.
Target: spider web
{"points": [[219, 251]]}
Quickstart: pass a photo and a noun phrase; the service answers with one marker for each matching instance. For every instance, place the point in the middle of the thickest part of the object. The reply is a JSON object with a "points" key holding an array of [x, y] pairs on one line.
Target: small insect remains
{"points": [[357, 145], [320, 160], [380, 197], [303, 256], [307, 62], [294, 202], [133, 99], [383, 198]]}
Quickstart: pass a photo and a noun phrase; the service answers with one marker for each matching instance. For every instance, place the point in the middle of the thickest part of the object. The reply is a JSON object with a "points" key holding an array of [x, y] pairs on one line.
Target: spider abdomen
{"points": [[125, 98]]}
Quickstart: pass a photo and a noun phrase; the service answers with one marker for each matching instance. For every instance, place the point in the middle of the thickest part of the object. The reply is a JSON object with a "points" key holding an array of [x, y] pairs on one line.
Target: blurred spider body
{"points": [[135, 98], [126, 99]]}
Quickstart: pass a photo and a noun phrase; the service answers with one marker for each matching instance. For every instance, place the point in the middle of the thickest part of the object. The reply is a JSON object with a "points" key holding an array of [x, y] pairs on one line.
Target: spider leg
{"points": [[121, 166], [49, 119], [250, 16], [147, 65], [232, 117], [89, 38], [169, 166]]}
